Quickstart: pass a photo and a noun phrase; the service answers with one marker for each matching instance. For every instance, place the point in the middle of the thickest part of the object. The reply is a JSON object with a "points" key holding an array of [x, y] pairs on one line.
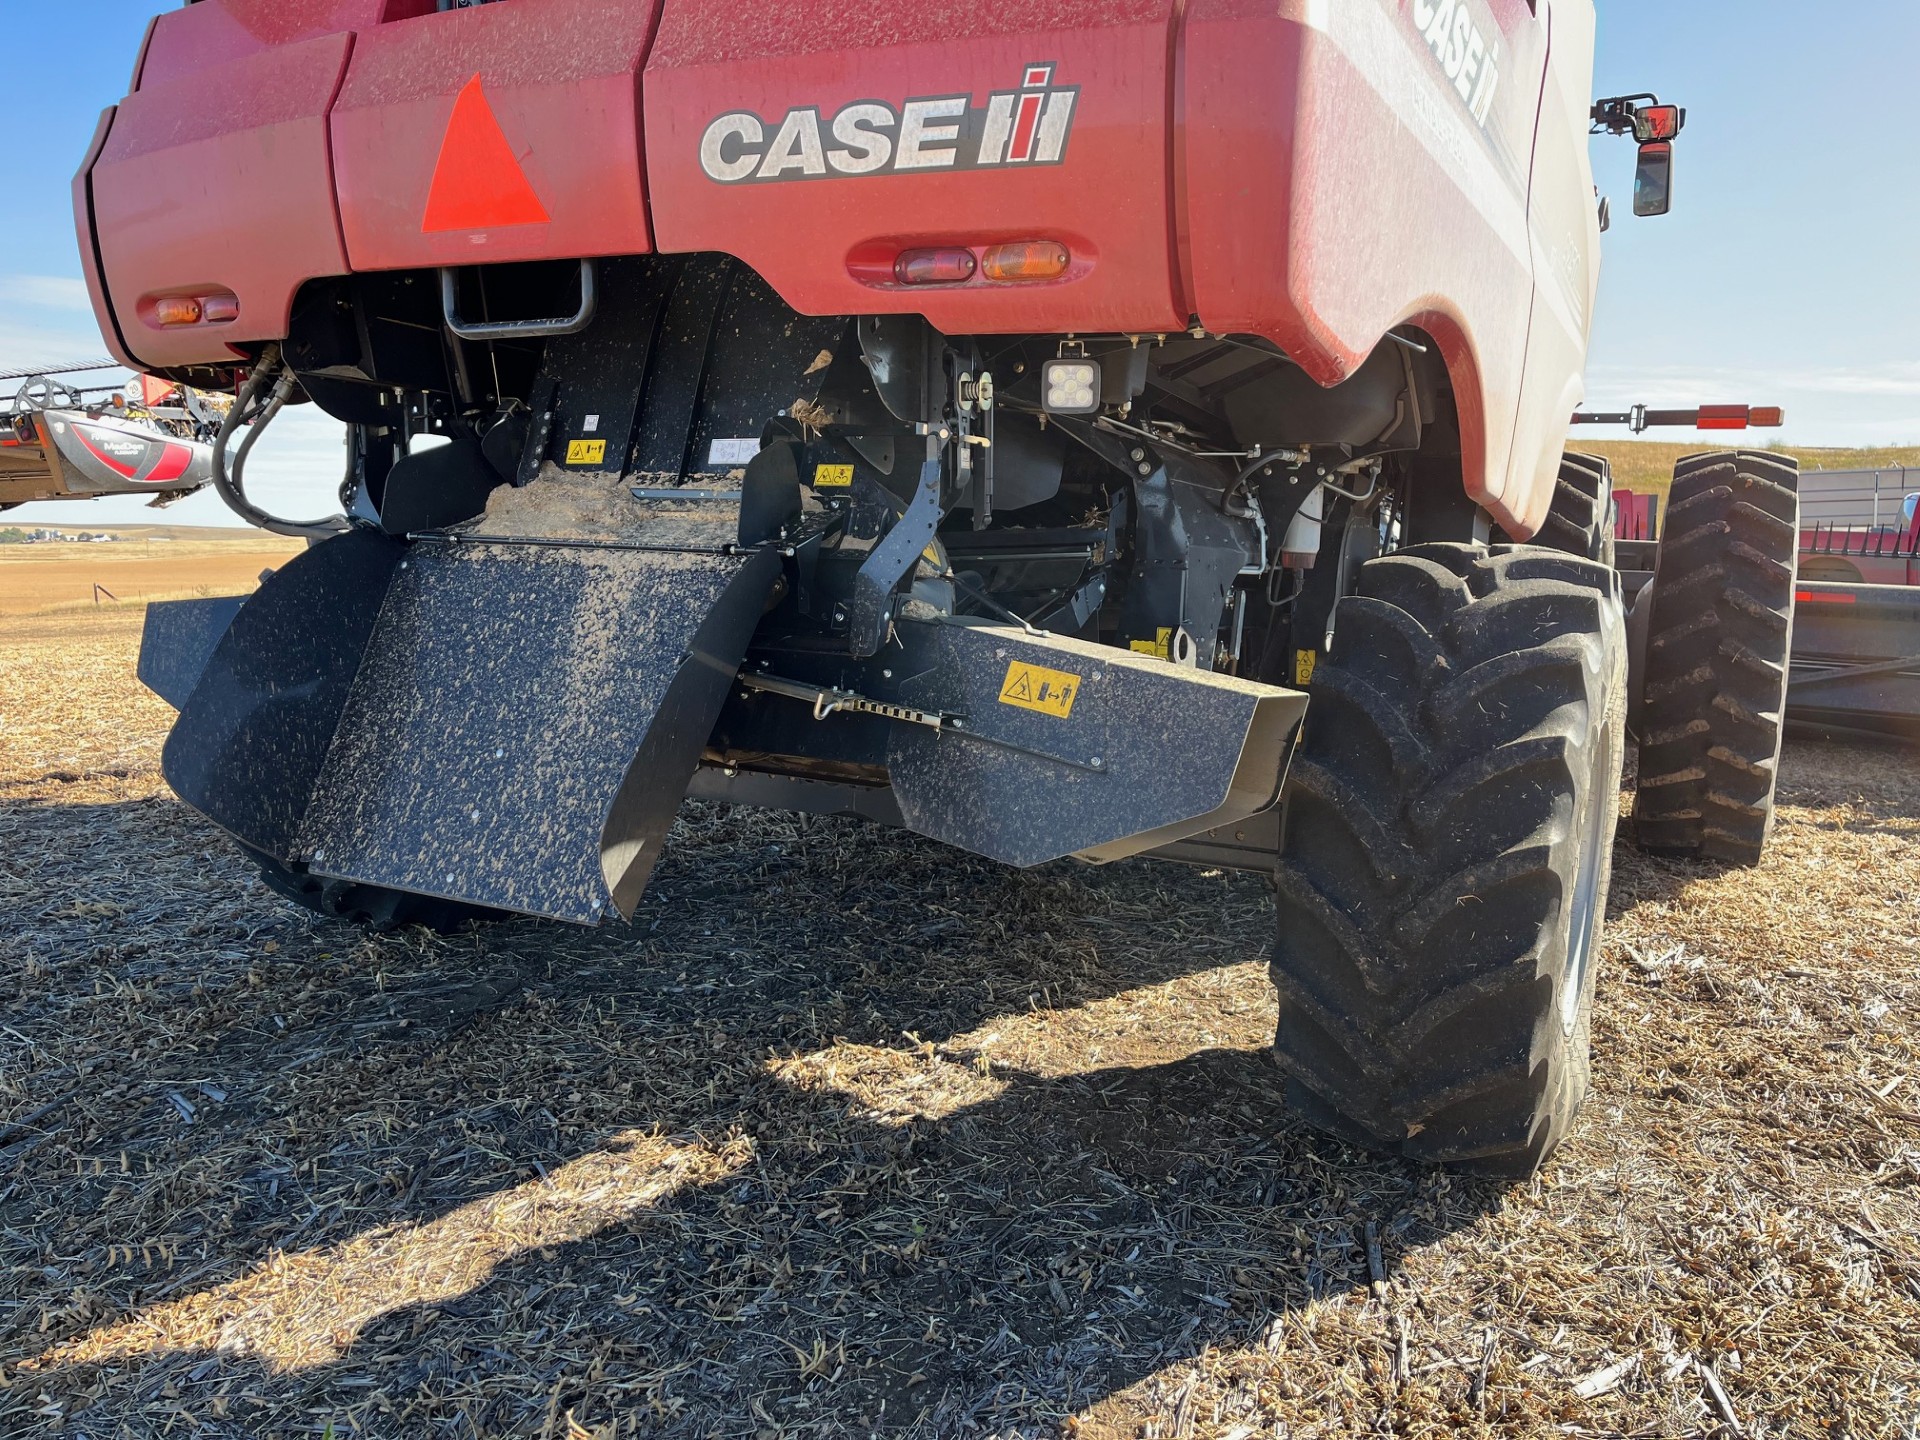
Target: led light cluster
{"points": [[1072, 386]]}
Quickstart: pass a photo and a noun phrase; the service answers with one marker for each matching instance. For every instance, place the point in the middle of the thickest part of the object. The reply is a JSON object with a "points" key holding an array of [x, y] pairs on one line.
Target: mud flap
{"points": [[1058, 747], [505, 724]]}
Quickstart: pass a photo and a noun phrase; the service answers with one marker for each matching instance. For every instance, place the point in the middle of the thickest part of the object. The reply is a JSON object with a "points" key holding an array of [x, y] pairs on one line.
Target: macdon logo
{"points": [[1028, 126], [1465, 55]]}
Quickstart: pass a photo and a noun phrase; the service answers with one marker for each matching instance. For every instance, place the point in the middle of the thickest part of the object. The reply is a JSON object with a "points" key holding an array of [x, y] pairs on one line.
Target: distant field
{"points": [[56, 577], [1646, 466]]}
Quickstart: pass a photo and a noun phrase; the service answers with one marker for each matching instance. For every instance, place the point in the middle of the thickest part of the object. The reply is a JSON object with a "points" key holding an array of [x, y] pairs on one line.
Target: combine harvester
{"points": [[1011, 427], [59, 442]]}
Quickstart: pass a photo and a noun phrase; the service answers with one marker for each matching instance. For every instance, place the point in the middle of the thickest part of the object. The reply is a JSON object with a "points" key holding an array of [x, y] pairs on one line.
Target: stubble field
{"points": [[847, 1134]]}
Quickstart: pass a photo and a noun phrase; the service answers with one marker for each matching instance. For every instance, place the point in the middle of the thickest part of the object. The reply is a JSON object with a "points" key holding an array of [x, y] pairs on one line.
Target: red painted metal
{"points": [[828, 244], [561, 77], [1321, 133], [1291, 169], [191, 196]]}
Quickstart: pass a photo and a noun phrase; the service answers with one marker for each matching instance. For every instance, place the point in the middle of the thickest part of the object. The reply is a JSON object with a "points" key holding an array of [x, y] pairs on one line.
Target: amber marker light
{"points": [[176, 310], [1025, 260]]}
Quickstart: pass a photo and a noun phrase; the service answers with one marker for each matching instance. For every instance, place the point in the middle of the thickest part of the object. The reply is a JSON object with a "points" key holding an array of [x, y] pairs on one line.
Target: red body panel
{"points": [[220, 179], [561, 77], [826, 243], [1313, 171], [1328, 195]]}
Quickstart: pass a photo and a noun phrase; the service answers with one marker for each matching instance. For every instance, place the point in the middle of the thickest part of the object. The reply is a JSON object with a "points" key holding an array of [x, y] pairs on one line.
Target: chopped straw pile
{"points": [[849, 1134]]}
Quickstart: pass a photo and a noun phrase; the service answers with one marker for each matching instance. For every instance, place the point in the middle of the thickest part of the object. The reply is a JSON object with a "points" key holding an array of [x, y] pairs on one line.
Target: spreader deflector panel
{"points": [[1071, 748], [508, 694]]}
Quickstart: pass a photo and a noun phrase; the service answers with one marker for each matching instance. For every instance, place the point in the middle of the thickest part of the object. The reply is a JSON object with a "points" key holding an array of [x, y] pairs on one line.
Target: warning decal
{"points": [[586, 452], [1034, 687], [1160, 646], [1303, 661], [832, 477]]}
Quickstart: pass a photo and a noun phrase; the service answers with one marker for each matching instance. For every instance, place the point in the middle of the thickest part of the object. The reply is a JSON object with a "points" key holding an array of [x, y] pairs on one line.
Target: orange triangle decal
{"points": [[477, 183]]}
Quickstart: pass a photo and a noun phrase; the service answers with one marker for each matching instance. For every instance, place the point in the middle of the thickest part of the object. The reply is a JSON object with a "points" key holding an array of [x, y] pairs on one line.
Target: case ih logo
{"points": [[1028, 126]]}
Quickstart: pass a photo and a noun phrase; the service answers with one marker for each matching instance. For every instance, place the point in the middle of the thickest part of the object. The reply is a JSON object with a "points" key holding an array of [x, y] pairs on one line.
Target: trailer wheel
{"points": [[1449, 835], [374, 907], [1580, 521], [1717, 650]]}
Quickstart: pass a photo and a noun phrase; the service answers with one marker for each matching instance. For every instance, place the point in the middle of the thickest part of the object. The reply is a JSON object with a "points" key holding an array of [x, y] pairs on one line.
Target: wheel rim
{"points": [[1584, 920]]}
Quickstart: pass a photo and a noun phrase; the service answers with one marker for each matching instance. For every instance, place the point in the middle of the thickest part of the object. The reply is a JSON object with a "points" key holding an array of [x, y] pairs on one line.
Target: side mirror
{"points": [[1653, 179]]}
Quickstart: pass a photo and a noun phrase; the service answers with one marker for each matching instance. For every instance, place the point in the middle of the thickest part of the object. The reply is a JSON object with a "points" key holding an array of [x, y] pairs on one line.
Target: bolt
{"points": [[886, 674], [474, 815], [959, 724], [1097, 763], [403, 564], [500, 754], [1145, 468], [1137, 453], [449, 879], [1239, 834], [319, 854]]}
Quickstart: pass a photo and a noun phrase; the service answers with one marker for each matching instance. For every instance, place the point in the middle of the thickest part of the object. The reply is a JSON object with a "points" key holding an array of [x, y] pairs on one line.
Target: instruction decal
{"points": [[586, 452], [1034, 687]]}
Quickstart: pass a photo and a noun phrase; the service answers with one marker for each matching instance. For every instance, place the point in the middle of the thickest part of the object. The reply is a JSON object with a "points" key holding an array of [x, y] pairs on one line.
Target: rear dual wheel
{"points": [[1718, 643]]}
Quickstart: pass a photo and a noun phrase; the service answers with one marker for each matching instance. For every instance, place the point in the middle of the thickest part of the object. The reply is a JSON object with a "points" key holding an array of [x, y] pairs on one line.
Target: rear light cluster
{"points": [[1002, 264], [219, 308]]}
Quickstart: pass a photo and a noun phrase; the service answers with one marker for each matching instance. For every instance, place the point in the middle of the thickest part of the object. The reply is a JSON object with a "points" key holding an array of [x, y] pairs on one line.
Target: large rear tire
{"points": [[1450, 819], [1718, 643]]}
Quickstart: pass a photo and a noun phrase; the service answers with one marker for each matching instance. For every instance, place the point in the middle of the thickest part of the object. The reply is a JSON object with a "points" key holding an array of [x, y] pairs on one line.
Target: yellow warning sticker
{"points": [[1303, 662], [832, 477], [1034, 687], [1161, 646], [586, 452]]}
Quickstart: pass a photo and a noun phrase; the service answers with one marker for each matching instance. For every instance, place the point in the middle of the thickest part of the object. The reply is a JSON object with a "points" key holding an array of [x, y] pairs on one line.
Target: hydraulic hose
{"points": [[251, 411]]}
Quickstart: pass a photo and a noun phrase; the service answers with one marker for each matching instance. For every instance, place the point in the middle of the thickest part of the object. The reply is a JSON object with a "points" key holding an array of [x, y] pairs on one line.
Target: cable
{"points": [[230, 486]]}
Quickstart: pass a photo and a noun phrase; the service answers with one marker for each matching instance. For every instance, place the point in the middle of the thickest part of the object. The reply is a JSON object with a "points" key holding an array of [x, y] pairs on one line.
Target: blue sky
{"points": [[1789, 272]]}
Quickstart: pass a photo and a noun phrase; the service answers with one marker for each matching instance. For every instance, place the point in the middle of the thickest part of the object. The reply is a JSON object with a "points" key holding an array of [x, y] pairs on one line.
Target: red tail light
{"points": [[935, 267], [1723, 417]]}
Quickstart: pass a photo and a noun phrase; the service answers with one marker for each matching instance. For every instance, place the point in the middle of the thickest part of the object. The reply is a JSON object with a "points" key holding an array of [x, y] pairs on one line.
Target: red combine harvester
{"points": [[1091, 430]]}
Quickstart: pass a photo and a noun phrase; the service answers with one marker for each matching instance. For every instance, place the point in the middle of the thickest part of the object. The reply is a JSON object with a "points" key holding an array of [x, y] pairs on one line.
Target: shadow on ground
{"points": [[845, 1134]]}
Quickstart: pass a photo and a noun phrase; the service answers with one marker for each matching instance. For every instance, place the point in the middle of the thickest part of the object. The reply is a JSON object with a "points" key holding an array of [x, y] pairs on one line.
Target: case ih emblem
{"points": [[1028, 126]]}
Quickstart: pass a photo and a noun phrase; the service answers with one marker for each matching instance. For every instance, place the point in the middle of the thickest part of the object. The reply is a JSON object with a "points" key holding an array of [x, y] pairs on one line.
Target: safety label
{"points": [[1034, 687], [832, 477], [586, 452], [1161, 645], [1303, 662]]}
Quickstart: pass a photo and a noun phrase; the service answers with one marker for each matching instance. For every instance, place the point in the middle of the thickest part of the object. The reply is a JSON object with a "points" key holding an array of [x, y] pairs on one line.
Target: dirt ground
{"points": [[850, 1135], [59, 577]]}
